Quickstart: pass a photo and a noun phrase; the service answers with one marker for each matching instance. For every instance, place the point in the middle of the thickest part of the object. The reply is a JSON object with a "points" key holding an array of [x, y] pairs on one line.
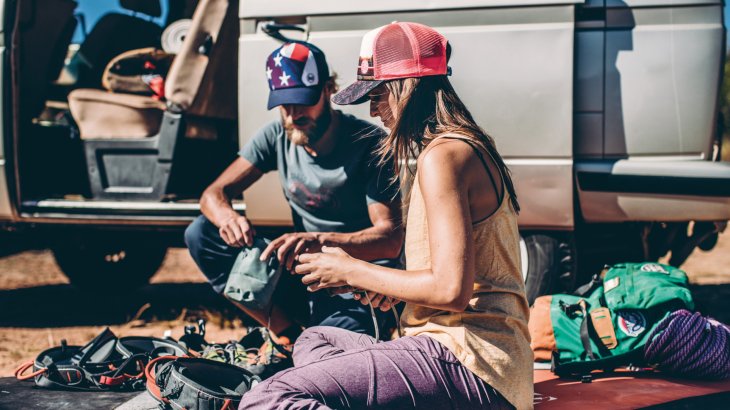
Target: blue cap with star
{"points": [[296, 71]]}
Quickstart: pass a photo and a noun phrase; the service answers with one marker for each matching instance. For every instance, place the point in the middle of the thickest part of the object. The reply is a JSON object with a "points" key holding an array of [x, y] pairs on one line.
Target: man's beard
{"points": [[314, 128]]}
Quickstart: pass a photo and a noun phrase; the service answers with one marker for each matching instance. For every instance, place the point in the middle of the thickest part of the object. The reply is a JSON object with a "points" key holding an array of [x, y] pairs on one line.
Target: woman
{"points": [[466, 342]]}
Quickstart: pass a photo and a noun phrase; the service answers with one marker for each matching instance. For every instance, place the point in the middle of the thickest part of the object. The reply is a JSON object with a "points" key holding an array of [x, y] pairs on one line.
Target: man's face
{"points": [[306, 124]]}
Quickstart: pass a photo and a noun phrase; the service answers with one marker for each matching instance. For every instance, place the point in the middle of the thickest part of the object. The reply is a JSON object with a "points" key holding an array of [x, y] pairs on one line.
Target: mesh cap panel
{"points": [[408, 50]]}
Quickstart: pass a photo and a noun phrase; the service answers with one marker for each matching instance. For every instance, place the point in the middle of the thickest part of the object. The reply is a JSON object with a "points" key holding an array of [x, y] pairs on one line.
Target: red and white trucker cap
{"points": [[396, 50]]}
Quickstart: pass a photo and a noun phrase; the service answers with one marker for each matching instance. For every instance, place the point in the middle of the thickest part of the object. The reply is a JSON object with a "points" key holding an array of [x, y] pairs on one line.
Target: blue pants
{"points": [[215, 259]]}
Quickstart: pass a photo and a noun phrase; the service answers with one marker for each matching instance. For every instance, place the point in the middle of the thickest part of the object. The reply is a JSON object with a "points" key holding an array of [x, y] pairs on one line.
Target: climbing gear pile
{"points": [[105, 363]]}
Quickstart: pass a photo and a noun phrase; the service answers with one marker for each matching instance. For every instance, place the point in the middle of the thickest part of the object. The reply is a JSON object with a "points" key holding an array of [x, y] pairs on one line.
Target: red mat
{"points": [[626, 392]]}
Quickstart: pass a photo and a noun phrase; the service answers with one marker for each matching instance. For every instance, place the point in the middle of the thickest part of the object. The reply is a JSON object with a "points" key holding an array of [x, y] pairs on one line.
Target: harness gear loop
{"points": [[25, 366]]}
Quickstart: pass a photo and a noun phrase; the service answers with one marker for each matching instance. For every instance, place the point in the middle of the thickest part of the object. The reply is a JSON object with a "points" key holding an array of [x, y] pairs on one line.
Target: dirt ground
{"points": [[38, 307]]}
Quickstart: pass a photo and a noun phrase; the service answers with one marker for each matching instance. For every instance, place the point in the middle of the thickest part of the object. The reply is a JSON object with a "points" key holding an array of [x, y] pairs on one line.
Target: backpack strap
{"points": [[588, 288], [585, 327]]}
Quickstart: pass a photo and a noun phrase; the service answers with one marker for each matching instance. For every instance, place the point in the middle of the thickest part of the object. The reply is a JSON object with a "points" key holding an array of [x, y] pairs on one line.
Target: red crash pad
{"points": [[631, 391]]}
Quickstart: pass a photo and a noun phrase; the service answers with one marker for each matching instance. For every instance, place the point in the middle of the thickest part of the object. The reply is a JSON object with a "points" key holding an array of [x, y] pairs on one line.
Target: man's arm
{"points": [[383, 240], [215, 203]]}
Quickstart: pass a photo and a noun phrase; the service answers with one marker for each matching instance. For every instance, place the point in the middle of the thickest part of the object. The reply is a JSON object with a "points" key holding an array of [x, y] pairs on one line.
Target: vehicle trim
{"points": [[126, 205], [684, 178]]}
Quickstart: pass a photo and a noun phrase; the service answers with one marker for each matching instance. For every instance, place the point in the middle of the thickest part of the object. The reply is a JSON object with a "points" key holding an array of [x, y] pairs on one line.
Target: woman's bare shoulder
{"points": [[445, 151], [443, 163]]}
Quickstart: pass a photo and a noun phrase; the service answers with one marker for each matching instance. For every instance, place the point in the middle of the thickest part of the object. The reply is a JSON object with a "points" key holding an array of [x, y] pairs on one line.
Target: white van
{"points": [[606, 111]]}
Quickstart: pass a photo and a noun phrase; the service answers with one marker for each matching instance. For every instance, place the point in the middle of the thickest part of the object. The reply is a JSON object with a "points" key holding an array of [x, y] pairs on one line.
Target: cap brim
{"points": [[355, 93], [298, 96]]}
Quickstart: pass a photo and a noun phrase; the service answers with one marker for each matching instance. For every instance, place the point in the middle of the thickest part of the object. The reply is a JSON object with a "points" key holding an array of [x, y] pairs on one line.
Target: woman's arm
{"points": [[448, 284]]}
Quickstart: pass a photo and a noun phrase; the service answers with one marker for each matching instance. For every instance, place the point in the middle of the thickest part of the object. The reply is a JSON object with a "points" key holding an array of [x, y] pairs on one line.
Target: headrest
{"points": [[148, 7]]}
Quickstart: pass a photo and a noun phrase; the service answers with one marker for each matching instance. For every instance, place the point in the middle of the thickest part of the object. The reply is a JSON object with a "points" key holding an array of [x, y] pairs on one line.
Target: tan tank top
{"points": [[490, 338]]}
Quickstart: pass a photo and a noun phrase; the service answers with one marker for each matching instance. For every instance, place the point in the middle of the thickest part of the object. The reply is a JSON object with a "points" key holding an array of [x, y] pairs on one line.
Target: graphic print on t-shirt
{"points": [[304, 197]]}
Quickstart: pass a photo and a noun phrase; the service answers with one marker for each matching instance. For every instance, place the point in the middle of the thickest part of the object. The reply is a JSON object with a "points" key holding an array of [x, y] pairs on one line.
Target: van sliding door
{"points": [[5, 209], [647, 82]]}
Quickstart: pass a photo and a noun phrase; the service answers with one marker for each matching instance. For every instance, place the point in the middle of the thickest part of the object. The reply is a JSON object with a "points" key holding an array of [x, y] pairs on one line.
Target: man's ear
{"points": [[327, 92], [331, 85]]}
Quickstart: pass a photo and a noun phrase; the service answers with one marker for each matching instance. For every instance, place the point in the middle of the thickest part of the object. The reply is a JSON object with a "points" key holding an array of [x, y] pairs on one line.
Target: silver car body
{"points": [[566, 89]]}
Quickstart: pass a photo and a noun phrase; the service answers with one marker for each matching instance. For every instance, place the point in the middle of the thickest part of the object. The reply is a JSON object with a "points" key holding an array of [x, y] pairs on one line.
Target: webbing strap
{"points": [[113, 381], [584, 335], [151, 383]]}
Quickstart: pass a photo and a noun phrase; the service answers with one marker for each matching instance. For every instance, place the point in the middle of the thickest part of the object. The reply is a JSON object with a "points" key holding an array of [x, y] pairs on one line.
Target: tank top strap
{"points": [[479, 155]]}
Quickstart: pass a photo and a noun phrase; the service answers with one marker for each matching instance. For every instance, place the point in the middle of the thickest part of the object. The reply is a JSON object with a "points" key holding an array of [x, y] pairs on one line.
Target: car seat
{"points": [[114, 34], [129, 140]]}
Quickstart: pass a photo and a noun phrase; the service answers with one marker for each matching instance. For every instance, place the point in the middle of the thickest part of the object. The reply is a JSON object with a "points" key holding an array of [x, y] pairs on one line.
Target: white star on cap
{"points": [[277, 60], [268, 72], [284, 78]]}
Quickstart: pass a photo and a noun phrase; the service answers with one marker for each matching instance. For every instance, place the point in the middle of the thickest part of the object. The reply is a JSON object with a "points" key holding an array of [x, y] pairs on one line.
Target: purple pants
{"points": [[340, 369]]}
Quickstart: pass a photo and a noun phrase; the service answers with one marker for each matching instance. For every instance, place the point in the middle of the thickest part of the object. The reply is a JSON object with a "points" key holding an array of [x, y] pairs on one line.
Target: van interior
{"points": [[85, 144]]}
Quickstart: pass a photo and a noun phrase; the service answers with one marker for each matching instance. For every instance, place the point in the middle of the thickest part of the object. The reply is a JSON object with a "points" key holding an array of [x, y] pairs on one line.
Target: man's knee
{"points": [[194, 231], [194, 234]]}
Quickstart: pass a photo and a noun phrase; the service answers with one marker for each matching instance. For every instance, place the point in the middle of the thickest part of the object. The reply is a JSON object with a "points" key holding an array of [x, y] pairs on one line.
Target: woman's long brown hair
{"points": [[428, 107]]}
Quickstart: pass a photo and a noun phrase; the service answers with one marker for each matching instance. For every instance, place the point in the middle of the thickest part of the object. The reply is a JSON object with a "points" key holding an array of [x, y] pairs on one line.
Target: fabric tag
{"points": [[603, 325], [611, 284], [653, 267]]}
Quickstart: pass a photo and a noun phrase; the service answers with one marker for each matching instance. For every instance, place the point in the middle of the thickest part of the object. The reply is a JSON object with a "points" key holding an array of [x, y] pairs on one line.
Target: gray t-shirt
{"points": [[327, 193]]}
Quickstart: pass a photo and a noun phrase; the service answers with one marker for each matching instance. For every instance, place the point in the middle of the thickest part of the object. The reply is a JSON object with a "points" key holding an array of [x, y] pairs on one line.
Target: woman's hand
{"points": [[329, 269], [378, 300]]}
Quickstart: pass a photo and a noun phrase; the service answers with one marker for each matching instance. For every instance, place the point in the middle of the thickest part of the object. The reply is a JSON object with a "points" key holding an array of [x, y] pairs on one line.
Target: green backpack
{"points": [[606, 323]]}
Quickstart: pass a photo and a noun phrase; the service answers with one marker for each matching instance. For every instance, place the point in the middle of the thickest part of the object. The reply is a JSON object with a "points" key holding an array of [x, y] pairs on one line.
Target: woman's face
{"points": [[383, 105]]}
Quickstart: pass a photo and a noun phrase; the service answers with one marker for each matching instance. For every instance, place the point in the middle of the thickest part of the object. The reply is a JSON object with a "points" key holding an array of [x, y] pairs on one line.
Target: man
{"points": [[338, 195]]}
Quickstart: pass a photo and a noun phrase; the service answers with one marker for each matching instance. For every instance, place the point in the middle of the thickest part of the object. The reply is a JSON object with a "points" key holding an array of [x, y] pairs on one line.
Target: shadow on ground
{"points": [[713, 300], [64, 305]]}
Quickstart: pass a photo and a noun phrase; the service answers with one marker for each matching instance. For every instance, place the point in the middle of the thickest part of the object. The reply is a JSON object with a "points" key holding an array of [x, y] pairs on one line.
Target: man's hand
{"points": [[291, 245], [237, 232]]}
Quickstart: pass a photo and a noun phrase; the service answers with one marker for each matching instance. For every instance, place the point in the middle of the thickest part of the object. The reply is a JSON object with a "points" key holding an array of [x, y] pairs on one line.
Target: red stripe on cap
{"points": [[299, 53]]}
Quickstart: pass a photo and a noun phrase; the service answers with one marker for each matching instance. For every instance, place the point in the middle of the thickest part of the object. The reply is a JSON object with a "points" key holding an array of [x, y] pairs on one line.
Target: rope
{"points": [[375, 319], [690, 345]]}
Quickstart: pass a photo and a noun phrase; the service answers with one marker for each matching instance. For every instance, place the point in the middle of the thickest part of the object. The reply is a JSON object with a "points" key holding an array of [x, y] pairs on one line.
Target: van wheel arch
{"points": [[548, 264], [107, 262]]}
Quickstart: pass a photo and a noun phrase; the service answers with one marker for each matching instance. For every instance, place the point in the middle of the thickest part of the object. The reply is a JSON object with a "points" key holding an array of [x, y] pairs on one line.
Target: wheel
{"points": [[547, 265], [108, 262]]}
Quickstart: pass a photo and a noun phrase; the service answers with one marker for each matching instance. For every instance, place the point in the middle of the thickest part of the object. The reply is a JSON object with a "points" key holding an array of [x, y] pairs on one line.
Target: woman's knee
{"points": [[311, 339], [320, 342]]}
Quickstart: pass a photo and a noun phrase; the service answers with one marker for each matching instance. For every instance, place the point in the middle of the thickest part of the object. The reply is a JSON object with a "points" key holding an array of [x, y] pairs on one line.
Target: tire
{"points": [[547, 265], [103, 263]]}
